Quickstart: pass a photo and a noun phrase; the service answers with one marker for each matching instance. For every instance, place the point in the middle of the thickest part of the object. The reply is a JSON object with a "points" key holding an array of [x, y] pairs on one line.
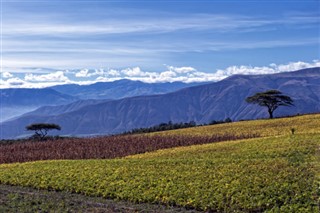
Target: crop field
{"points": [[120, 146], [275, 173], [274, 127], [103, 147]]}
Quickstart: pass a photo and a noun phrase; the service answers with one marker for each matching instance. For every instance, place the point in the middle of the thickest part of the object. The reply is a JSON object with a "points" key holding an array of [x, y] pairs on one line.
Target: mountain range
{"points": [[202, 104], [119, 89], [15, 102]]}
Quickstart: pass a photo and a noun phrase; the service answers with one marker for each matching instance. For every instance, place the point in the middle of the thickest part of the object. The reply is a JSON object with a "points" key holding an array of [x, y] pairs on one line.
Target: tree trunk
{"points": [[270, 113]]}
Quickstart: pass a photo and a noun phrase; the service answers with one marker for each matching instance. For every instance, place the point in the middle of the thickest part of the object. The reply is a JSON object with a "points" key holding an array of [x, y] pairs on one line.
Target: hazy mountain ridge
{"points": [[22, 97], [120, 89], [204, 103], [15, 102], [60, 109]]}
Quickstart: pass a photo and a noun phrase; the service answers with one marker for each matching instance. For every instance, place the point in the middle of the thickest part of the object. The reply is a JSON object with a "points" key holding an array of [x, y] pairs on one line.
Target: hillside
{"points": [[278, 172], [120, 89], [15, 102], [202, 104]]}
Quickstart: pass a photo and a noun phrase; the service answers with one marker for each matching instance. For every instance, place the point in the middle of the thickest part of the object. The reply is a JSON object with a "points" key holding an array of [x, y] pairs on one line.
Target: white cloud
{"points": [[297, 65], [12, 83], [181, 69], [135, 71], [6, 75], [271, 69], [190, 74], [167, 74], [171, 74], [244, 70], [98, 72], [113, 72], [15, 82], [51, 77], [82, 73], [100, 78], [105, 79]]}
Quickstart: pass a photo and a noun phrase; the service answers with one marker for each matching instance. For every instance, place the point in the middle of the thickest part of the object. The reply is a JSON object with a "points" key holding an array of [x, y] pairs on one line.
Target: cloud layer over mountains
{"points": [[41, 77]]}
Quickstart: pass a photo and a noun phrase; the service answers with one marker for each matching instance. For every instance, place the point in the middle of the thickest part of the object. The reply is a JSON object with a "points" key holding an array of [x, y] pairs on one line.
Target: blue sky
{"points": [[53, 42]]}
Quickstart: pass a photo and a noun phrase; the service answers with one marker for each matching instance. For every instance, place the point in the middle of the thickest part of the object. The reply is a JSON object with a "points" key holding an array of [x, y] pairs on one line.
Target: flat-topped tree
{"points": [[41, 129], [271, 99]]}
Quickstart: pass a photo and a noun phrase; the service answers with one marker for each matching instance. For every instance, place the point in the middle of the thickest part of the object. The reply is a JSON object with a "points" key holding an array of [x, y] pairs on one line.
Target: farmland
{"points": [[277, 171], [120, 146], [103, 147], [264, 128]]}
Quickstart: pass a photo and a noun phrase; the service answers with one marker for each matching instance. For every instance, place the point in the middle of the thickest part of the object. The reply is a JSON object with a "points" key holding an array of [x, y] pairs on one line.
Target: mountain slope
{"points": [[119, 89], [15, 102], [61, 109], [202, 104]]}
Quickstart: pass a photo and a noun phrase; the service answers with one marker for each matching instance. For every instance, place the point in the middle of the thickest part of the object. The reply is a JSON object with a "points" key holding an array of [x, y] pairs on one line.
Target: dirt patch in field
{"points": [[24, 199]]}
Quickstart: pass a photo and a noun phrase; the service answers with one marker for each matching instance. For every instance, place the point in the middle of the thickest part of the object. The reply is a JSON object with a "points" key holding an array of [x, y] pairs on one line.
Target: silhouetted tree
{"points": [[41, 129], [227, 120], [271, 99]]}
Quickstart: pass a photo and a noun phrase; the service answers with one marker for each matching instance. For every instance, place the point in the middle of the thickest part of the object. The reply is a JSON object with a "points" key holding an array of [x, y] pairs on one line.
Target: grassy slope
{"points": [[274, 127], [265, 174]]}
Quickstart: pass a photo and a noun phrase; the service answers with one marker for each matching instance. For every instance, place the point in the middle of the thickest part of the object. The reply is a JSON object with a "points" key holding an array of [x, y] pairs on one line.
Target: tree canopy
{"points": [[271, 99], [41, 129]]}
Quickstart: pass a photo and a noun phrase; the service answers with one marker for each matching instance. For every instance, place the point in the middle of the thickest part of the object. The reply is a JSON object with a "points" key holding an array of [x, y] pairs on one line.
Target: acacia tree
{"points": [[41, 129], [271, 99]]}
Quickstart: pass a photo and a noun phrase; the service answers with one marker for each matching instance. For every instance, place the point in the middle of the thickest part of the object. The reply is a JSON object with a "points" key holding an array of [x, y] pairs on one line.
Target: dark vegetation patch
{"points": [[171, 126], [103, 147], [162, 127]]}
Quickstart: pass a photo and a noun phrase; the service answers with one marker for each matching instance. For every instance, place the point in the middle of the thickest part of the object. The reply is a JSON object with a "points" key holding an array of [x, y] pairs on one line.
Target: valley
{"points": [[201, 104]]}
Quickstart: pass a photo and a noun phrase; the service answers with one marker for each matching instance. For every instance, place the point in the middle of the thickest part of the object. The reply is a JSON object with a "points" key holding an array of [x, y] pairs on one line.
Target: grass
{"points": [[235, 176], [264, 128], [277, 173]]}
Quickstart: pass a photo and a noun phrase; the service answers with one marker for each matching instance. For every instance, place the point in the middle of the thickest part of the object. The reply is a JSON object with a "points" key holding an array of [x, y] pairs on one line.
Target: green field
{"points": [[305, 124], [276, 173]]}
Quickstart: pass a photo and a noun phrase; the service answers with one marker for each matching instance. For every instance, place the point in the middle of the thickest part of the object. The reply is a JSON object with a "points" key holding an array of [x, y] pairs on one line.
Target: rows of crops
{"points": [[104, 147], [119, 146], [268, 127], [279, 172], [255, 175]]}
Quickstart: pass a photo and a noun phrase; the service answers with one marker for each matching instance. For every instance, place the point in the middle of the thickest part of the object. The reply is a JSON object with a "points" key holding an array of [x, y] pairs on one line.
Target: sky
{"points": [[50, 42]]}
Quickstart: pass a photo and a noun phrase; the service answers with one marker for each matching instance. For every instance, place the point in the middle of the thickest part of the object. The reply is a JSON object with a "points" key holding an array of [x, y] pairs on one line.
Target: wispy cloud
{"points": [[54, 27], [118, 54], [127, 47], [130, 39]]}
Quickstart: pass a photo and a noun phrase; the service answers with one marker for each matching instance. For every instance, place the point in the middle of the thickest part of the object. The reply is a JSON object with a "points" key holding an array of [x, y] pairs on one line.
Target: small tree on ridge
{"points": [[41, 129]]}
